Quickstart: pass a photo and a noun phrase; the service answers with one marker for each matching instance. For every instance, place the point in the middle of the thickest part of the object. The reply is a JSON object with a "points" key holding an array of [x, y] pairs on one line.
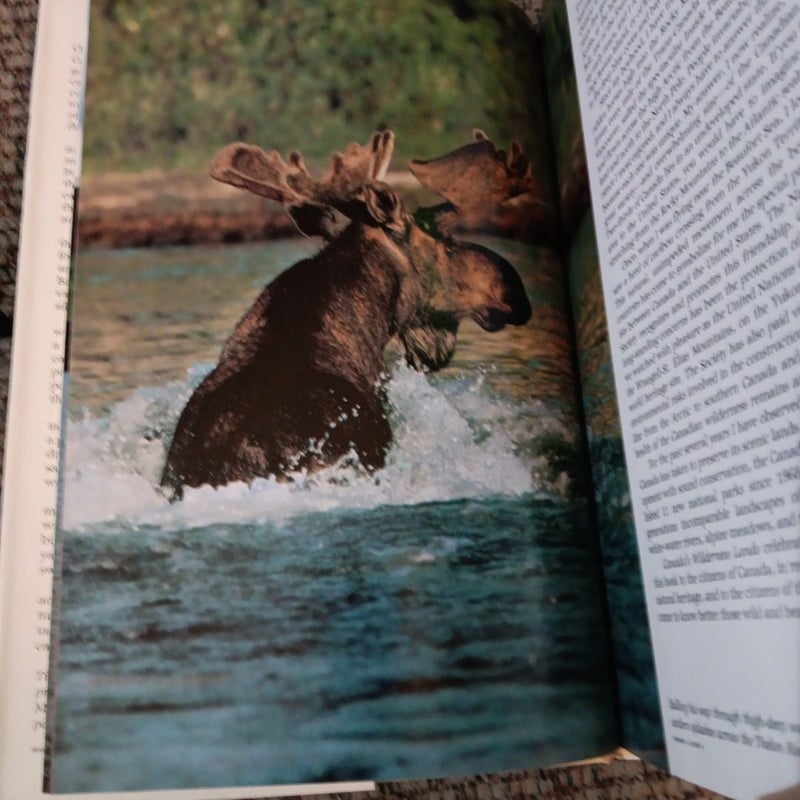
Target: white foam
{"points": [[452, 440]]}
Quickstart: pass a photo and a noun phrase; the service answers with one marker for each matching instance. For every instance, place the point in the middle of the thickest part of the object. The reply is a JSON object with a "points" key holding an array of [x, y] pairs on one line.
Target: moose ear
{"points": [[384, 206]]}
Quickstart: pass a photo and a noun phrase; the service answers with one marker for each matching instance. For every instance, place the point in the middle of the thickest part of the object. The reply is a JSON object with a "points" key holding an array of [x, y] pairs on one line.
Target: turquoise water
{"points": [[438, 639], [440, 617]]}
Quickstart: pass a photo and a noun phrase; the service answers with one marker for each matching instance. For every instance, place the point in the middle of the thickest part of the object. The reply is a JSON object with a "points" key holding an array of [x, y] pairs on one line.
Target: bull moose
{"points": [[299, 383]]}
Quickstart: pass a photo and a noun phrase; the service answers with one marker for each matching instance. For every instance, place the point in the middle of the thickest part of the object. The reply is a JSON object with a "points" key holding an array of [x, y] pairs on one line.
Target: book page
{"points": [[409, 587], [691, 117], [33, 444]]}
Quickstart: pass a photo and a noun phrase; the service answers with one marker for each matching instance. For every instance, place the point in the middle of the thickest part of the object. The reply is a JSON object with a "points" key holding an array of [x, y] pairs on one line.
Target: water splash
{"points": [[452, 439]]}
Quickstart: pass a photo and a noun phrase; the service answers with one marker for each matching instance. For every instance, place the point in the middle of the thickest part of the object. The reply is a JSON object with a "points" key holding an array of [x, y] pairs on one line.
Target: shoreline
{"points": [[160, 209]]}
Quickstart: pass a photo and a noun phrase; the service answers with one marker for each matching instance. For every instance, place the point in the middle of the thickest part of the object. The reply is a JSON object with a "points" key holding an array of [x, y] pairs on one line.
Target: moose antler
{"points": [[318, 207], [487, 188], [477, 174], [359, 164]]}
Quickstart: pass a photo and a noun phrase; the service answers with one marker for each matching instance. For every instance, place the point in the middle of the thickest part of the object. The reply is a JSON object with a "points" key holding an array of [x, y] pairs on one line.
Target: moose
{"points": [[300, 381]]}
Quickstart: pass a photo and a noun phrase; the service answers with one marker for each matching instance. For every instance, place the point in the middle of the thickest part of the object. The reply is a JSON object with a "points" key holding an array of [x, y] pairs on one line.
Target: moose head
{"points": [[299, 381]]}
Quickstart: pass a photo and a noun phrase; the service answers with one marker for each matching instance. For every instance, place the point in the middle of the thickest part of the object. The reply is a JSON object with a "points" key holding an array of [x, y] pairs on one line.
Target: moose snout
{"points": [[515, 303], [515, 298], [519, 305], [492, 292], [493, 318]]}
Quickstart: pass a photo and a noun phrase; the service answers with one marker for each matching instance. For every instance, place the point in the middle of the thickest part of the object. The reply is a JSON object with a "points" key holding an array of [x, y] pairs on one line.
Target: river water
{"points": [[440, 617]]}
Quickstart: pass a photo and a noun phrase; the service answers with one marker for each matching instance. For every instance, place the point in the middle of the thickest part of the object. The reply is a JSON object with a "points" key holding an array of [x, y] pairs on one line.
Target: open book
{"points": [[417, 461]]}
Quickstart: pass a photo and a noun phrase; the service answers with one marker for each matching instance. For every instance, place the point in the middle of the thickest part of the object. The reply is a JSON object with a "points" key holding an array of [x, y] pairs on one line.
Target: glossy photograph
{"points": [[323, 504]]}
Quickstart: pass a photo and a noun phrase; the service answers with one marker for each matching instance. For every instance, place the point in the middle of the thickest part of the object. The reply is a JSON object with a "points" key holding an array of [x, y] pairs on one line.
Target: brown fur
{"points": [[490, 191], [299, 383]]}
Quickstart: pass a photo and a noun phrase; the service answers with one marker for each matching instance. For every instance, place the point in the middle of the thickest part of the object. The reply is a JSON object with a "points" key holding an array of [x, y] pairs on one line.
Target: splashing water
{"points": [[452, 439]]}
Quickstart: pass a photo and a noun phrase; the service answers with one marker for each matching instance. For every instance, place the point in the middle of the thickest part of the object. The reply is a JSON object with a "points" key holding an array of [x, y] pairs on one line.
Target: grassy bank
{"points": [[169, 83]]}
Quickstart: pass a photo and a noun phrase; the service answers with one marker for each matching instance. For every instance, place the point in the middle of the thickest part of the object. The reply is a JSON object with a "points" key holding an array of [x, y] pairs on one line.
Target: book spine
{"points": [[27, 546]]}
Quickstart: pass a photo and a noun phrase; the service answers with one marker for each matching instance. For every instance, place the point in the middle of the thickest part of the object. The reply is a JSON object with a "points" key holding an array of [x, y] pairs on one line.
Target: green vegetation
{"points": [[171, 82]]}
